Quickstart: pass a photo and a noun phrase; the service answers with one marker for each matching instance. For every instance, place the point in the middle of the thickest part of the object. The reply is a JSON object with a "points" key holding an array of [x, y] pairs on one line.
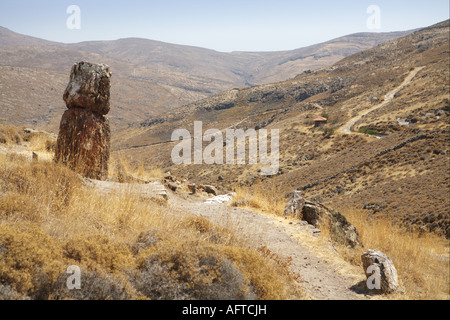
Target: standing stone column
{"points": [[84, 134]]}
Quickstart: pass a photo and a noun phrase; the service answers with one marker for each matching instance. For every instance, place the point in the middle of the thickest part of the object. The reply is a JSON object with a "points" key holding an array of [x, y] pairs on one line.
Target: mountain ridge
{"points": [[149, 77]]}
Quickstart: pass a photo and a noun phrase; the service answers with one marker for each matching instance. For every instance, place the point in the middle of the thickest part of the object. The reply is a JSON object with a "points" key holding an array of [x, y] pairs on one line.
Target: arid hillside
{"points": [[394, 160], [149, 77]]}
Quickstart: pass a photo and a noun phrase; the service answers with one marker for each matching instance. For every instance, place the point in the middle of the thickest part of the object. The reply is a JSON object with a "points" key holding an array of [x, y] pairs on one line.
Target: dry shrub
{"points": [[121, 170], [196, 270], [40, 141], [96, 285], [33, 190], [209, 231], [19, 207], [10, 135], [263, 198], [258, 271], [30, 260], [99, 253], [125, 247]]}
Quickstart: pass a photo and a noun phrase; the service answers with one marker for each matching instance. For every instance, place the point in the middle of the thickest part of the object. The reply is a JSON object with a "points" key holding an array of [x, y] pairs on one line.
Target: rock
{"points": [[89, 88], [316, 214], [220, 199], [172, 186], [84, 143], [388, 272], [169, 177], [295, 205], [210, 189]]}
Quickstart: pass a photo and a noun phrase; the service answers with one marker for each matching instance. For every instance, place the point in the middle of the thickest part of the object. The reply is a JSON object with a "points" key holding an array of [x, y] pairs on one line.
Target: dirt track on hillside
{"points": [[347, 128]]}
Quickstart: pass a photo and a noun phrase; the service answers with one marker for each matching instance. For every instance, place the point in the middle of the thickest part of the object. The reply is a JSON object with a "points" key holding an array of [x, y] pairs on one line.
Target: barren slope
{"points": [[402, 173]]}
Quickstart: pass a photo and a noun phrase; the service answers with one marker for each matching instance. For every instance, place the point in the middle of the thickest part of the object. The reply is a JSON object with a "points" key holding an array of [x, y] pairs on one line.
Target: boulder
{"points": [[210, 189], [316, 214], [172, 186], [84, 143], [388, 273], [89, 88]]}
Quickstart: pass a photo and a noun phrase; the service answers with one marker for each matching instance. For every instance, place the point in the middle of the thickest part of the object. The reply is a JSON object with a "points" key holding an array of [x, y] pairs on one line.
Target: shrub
{"points": [[30, 260]]}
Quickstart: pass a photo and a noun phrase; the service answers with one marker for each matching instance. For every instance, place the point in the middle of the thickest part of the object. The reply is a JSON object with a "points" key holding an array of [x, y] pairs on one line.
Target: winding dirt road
{"points": [[347, 128]]}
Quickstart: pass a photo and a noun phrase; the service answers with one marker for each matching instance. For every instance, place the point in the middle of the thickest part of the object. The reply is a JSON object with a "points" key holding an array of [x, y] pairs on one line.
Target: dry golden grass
{"points": [[126, 247], [421, 259], [9, 135], [121, 170], [262, 198]]}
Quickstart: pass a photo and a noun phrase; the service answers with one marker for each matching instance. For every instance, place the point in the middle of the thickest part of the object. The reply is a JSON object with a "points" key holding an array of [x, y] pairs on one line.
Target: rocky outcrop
{"points": [[84, 135], [318, 215], [382, 267]]}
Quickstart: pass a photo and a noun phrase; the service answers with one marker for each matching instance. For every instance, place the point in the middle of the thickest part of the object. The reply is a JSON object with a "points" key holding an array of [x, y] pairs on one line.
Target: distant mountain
{"points": [[149, 77], [239, 68]]}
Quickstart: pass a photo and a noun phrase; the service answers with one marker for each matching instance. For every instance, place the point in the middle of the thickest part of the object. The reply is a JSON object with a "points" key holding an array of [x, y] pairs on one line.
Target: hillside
{"points": [[393, 163], [141, 241], [149, 77]]}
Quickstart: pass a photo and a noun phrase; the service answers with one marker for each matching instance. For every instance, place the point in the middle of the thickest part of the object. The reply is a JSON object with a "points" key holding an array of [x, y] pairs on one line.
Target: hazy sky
{"points": [[232, 25]]}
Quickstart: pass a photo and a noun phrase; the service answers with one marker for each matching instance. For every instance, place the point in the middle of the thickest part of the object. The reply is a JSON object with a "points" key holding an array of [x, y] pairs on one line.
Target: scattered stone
{"points": [[388, 272], [316, 214], [172, 186], [220, 199], [209, 189], [169, 177]]}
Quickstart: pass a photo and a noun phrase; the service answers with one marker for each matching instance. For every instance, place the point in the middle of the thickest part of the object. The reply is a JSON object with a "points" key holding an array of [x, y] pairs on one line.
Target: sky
{"points": [[232, 25]]}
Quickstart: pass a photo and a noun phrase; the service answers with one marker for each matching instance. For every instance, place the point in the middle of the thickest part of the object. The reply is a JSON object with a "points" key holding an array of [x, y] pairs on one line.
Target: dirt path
{"points": [[325, 275], [347, 128]]}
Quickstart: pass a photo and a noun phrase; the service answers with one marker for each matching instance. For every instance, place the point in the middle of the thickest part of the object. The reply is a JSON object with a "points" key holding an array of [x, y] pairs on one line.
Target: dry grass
{"points": [[421, 259], [125, 247], [10, 135], [121, 170], [262, 198]]}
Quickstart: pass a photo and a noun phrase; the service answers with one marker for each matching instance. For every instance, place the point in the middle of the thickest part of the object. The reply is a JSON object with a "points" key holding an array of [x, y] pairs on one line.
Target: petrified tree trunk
{"points": [[384, 267], [84, 134], [84, 143], [316, 214], [89, 88]]}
